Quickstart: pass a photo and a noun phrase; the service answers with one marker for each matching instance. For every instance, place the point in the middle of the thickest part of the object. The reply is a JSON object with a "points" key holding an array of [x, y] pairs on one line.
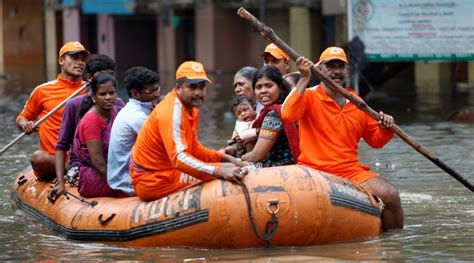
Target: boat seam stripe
{"points": [[115, 235]]}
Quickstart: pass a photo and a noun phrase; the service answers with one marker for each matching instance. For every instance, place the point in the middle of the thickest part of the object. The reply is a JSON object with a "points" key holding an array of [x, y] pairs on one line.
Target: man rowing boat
{"points": [[44, 98], [331, 127]]}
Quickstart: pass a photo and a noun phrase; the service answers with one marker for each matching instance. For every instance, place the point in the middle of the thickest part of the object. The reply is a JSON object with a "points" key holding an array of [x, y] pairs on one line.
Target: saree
{"points": [[90, 183]]}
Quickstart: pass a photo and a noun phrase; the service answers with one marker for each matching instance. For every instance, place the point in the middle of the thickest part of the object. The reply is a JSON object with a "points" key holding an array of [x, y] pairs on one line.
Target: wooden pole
{"points": [[18, 138], [268, 34]]}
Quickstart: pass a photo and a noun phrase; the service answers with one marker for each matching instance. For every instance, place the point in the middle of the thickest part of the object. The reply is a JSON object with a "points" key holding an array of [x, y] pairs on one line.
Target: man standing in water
{"points": [[330, 128], [167, 155], [44, 98]]}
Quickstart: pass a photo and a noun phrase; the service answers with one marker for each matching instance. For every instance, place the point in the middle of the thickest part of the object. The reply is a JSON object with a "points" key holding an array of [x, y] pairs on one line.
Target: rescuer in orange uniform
{"points": [[167, 155], [44, 98], [274, 56], [330, 128]]}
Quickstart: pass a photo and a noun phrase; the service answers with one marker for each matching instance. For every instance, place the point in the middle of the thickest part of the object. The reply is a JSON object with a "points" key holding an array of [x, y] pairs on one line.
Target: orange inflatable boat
{"points": [[287, 206]]}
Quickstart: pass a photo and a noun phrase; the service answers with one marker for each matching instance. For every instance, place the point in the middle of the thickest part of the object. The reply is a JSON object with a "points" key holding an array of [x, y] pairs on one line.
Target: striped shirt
{"points": [[42, 100]]}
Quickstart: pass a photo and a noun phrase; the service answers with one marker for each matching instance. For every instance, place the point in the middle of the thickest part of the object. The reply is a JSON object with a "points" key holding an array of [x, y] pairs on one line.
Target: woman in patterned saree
{"points": [[277, 142]]}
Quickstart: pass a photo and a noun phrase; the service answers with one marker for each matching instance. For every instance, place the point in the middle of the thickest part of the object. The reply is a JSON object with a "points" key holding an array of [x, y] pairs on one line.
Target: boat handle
{"points": [[22, 180], [107, 220], [273, 202]]}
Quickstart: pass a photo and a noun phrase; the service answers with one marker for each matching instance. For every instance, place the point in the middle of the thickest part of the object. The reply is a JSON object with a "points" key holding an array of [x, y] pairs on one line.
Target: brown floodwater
{"points": [[439, 211]]}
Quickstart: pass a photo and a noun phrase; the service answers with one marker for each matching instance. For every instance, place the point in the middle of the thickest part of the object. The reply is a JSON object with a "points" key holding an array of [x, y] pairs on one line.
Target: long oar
{"points": [[18, 138], [268, 34]]}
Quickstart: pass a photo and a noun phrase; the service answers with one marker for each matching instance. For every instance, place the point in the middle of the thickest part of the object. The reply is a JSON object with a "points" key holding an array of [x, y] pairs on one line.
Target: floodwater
{"points": [[439, 211]]}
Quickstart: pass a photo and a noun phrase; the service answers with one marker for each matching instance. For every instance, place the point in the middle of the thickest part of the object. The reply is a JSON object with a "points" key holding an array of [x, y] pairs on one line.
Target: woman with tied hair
{"points": [[91, 141], [278, 141]]}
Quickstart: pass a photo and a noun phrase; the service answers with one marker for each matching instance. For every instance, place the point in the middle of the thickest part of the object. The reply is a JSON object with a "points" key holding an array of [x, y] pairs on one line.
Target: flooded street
{"points": [[439, 211]]}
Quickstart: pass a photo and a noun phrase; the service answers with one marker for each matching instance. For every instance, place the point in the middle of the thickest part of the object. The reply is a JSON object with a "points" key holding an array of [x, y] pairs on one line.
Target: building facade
{"points": [[160, 34]]}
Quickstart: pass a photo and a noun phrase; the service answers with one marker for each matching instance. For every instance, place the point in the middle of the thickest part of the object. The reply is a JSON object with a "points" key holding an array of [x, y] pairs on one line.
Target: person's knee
{"points": [[391, 196], [43, 165], [40, 157], [37, 158]]}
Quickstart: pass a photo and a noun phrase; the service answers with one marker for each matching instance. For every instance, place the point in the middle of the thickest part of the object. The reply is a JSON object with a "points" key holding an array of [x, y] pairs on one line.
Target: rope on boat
{"points": [[272, 225], [92, 203]]}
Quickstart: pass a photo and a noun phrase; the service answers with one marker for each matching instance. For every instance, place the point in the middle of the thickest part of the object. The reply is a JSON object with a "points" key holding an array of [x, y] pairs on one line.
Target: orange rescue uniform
{"points": [[167, 155], [43, 99], [329, 134]]}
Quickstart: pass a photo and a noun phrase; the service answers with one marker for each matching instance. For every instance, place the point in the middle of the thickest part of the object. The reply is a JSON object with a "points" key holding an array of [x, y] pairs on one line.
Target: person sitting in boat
{"points": [[144, 91], [334, 126], [277, 142], [91, 141], [242, 87], [167, 155], [244, 136], [243, 83], [95, 64], [46, 97]]}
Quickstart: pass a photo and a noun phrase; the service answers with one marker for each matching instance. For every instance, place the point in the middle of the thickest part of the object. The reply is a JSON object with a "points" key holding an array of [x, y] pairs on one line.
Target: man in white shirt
{"points": [[143, 88]]}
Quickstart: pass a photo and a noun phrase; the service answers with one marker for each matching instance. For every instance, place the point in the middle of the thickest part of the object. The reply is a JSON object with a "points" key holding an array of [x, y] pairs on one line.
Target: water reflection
{"points": [[439, 211]]}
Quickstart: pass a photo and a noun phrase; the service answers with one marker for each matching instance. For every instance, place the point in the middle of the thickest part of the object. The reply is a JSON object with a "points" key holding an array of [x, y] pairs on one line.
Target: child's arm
{"points": [[245, 131], [248, 135]]}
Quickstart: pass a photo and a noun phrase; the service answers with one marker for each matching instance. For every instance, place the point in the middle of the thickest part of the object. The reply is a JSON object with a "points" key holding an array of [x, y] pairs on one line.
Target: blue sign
{"points": [[110, 7], [69, 3]]}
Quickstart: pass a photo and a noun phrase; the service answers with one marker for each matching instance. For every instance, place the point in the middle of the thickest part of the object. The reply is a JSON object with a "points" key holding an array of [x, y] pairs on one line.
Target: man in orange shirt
{"points": [[274, 56], [44, 98], [167, 155], [330, 128]]}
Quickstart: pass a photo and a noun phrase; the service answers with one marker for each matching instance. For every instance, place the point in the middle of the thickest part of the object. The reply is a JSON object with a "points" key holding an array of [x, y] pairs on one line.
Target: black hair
{"points": [[99, 62], [295, 76], [98, 80], [137, 77], [274, 75], [246, 72], [180, 81], [238, 100]]}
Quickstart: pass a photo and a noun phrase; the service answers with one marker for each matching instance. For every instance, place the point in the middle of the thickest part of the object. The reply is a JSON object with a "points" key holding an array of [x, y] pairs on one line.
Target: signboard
{"points": [[410, 30], [110, 7], [68, 3]]}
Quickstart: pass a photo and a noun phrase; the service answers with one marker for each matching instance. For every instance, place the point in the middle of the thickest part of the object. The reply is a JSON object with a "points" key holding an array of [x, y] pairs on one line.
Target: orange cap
{"points": [[332, 53], [275, 51], [193, 72], [72, 48]]}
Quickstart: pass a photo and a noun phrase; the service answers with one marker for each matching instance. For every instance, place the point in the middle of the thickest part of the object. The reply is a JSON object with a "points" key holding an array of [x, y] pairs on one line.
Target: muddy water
{"points": [[439, 211]]}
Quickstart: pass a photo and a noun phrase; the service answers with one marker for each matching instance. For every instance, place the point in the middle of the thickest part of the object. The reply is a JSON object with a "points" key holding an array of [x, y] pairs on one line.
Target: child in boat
{"points": [[244, 136]]}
